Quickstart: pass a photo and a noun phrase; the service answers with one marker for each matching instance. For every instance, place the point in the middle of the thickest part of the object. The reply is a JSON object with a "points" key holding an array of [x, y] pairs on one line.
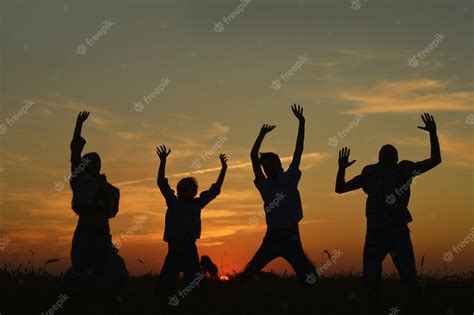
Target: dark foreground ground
{"points": [[36, 292]]}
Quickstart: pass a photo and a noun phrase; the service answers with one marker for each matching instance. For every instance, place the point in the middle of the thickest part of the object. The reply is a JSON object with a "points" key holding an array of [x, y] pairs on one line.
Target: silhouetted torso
{"points": [[281, 198], [183, 216], [388, 191]]}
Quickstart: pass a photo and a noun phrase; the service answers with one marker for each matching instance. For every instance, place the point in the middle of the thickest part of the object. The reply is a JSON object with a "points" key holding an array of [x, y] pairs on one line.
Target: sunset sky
{"points": [[353, 58]]}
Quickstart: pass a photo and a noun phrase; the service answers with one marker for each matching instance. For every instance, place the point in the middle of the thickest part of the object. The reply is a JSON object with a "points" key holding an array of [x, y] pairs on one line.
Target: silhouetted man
{"points": [[183, 225], [95, 201], [387, 185], [282, 204]]}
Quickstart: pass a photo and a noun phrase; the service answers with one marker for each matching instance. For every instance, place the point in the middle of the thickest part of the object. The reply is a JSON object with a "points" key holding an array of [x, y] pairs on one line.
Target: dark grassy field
{"points": [[36, 291]]}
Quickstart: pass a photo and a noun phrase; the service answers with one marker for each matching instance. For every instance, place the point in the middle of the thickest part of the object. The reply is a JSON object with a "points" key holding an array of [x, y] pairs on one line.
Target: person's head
{"points": [[388, 155], [92, 163], [187, 188], [271, 164]]}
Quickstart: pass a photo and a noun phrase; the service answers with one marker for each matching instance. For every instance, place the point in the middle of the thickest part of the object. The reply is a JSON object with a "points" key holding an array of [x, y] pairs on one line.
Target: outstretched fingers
{"points": [[344, 154], [223, 159], [429, 122], [162, 151], [297, 110], [267, 128], [82, 116]]}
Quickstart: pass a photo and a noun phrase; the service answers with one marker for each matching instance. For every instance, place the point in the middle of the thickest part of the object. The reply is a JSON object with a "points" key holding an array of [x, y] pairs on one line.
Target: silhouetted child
{"points": [[95, 261], [208, 267], [387, 185], [283, 209], [183, 224]]}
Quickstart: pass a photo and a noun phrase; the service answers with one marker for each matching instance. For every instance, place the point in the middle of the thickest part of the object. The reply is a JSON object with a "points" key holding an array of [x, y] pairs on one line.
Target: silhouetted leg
{"points": [[404, 259], [195, 279], [293, 252], [265, 254], [168, 276], [375, 251]]}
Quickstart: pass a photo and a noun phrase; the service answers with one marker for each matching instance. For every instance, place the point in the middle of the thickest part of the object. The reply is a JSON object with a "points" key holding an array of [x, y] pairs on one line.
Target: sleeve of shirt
{"points": [[294, 174], [166, 190], [415, 168], [77, 145], [208, 195], [412, 169]]}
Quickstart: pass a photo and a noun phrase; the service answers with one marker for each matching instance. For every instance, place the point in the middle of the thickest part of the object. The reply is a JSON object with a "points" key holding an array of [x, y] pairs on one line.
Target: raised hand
{"points": [[344, 158], [82, 117], [163, 152], [266, 129], [298, 111], [223, 159], [430, 124]]}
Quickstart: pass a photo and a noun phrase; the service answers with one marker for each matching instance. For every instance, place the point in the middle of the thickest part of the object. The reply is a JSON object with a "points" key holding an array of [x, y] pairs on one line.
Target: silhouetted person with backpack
{"points": [[183, 227], [95, 262], [282, 204], [387, 185]]}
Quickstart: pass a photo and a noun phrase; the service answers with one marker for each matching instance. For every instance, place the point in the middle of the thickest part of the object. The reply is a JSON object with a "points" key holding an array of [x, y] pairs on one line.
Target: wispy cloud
{"points": [[407, 97], [314, 155]]}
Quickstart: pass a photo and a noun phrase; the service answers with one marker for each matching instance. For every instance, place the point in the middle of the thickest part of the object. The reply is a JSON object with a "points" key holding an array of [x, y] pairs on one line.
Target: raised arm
{"points": [[81, 118], [220, 179], [78, 143], [298, 111], [161, 180], [208, 195], [341, 185], [435, 158], [257, 169], [162, 153]]}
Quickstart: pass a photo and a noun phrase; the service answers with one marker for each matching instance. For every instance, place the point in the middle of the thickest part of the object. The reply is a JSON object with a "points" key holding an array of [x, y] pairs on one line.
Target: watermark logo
{"points": [[275, 203], [277, 82], [131, 231], [219, 26], [336, 254], [81, 49], [3, 129], [448, 256], [470, 119], [174, 300], [89, 42], [391, 199], [206, 155], [310, 278], [253, 221], [456, 249], [10, 121], [420, 55], [356, 5], [57, 306], [59, 185], [139, 106], [4, 242], [334, 141]]}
